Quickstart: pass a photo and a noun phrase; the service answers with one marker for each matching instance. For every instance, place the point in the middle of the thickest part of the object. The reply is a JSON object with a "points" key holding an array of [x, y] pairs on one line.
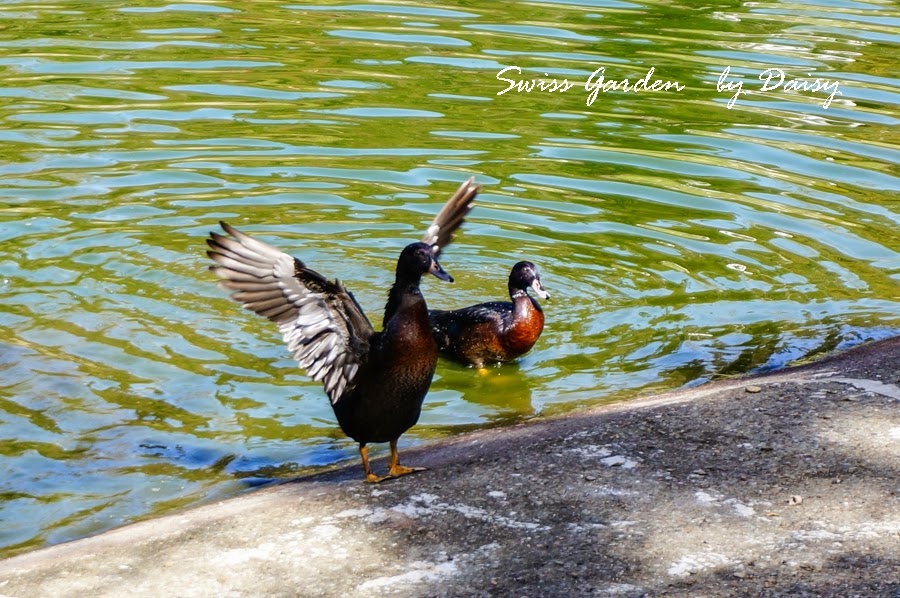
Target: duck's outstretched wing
{"points": [[322, 324], [453, 214]]}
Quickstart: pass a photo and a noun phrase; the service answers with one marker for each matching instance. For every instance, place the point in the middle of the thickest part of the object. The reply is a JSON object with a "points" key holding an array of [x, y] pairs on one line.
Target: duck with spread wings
{"points": [[376, 381]]}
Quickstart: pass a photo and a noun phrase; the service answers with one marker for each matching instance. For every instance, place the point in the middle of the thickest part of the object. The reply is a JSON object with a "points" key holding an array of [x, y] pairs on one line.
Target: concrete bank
{"points": [[781, 485]]}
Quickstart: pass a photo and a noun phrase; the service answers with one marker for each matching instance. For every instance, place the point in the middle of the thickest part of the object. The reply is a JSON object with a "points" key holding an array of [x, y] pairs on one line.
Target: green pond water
{"points": [[682, 240]]}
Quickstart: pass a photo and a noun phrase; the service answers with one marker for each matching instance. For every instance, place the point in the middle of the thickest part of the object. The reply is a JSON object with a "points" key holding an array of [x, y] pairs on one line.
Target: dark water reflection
{"points": [[682, 240]]}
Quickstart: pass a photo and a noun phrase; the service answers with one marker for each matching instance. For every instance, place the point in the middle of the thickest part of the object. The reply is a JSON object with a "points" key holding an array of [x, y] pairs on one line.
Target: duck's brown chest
{"points": [[527, 325], [409, 343]]}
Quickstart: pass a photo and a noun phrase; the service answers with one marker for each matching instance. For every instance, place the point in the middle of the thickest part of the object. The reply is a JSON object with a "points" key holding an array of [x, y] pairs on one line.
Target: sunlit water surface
{"points": [[682, 240]]}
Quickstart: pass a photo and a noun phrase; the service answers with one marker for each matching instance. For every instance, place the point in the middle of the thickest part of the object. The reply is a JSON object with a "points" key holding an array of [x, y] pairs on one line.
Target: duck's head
{"points": [[417, 259], [525, 276]]}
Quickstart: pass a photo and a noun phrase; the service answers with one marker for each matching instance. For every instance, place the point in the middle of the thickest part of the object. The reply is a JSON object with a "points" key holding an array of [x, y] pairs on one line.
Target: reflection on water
{"points": [[681, 240]]}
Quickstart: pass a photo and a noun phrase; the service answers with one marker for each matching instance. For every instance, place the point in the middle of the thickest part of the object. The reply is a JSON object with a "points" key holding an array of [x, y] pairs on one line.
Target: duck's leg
{"points": [[370, 477], [396, 469]]}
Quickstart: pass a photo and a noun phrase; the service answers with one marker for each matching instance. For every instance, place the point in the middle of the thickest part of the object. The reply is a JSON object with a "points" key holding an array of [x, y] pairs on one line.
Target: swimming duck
{"points": [[496, 331], [376, 381]]}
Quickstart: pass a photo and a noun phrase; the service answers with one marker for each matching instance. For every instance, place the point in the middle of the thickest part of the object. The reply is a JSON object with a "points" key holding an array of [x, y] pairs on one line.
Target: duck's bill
{"points": [[539, 289], [439, 272]]}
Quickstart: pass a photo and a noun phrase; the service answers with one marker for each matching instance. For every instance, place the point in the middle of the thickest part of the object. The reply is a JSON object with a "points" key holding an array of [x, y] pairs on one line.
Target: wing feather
{"points": [[322, 324], [260, 295], [451, 216]]}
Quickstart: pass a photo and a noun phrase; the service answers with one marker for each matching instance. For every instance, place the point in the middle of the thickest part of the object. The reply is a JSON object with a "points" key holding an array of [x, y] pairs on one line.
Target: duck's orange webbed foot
{"points": [[400, 470], [396, 469], [370, 477]]}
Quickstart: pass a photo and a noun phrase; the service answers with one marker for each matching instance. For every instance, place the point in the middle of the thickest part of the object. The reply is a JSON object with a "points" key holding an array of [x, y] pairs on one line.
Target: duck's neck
{"points": [[404, 295], [523, 303]]}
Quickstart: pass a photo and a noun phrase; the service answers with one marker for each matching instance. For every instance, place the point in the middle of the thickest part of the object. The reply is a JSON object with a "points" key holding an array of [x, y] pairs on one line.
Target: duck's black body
{"points": [[376, 380], [496, 331], [392, 384]]}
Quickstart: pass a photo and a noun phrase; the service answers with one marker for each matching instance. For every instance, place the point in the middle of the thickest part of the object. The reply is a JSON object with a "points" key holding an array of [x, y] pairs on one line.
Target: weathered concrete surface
{"points": [[783, 485]]}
